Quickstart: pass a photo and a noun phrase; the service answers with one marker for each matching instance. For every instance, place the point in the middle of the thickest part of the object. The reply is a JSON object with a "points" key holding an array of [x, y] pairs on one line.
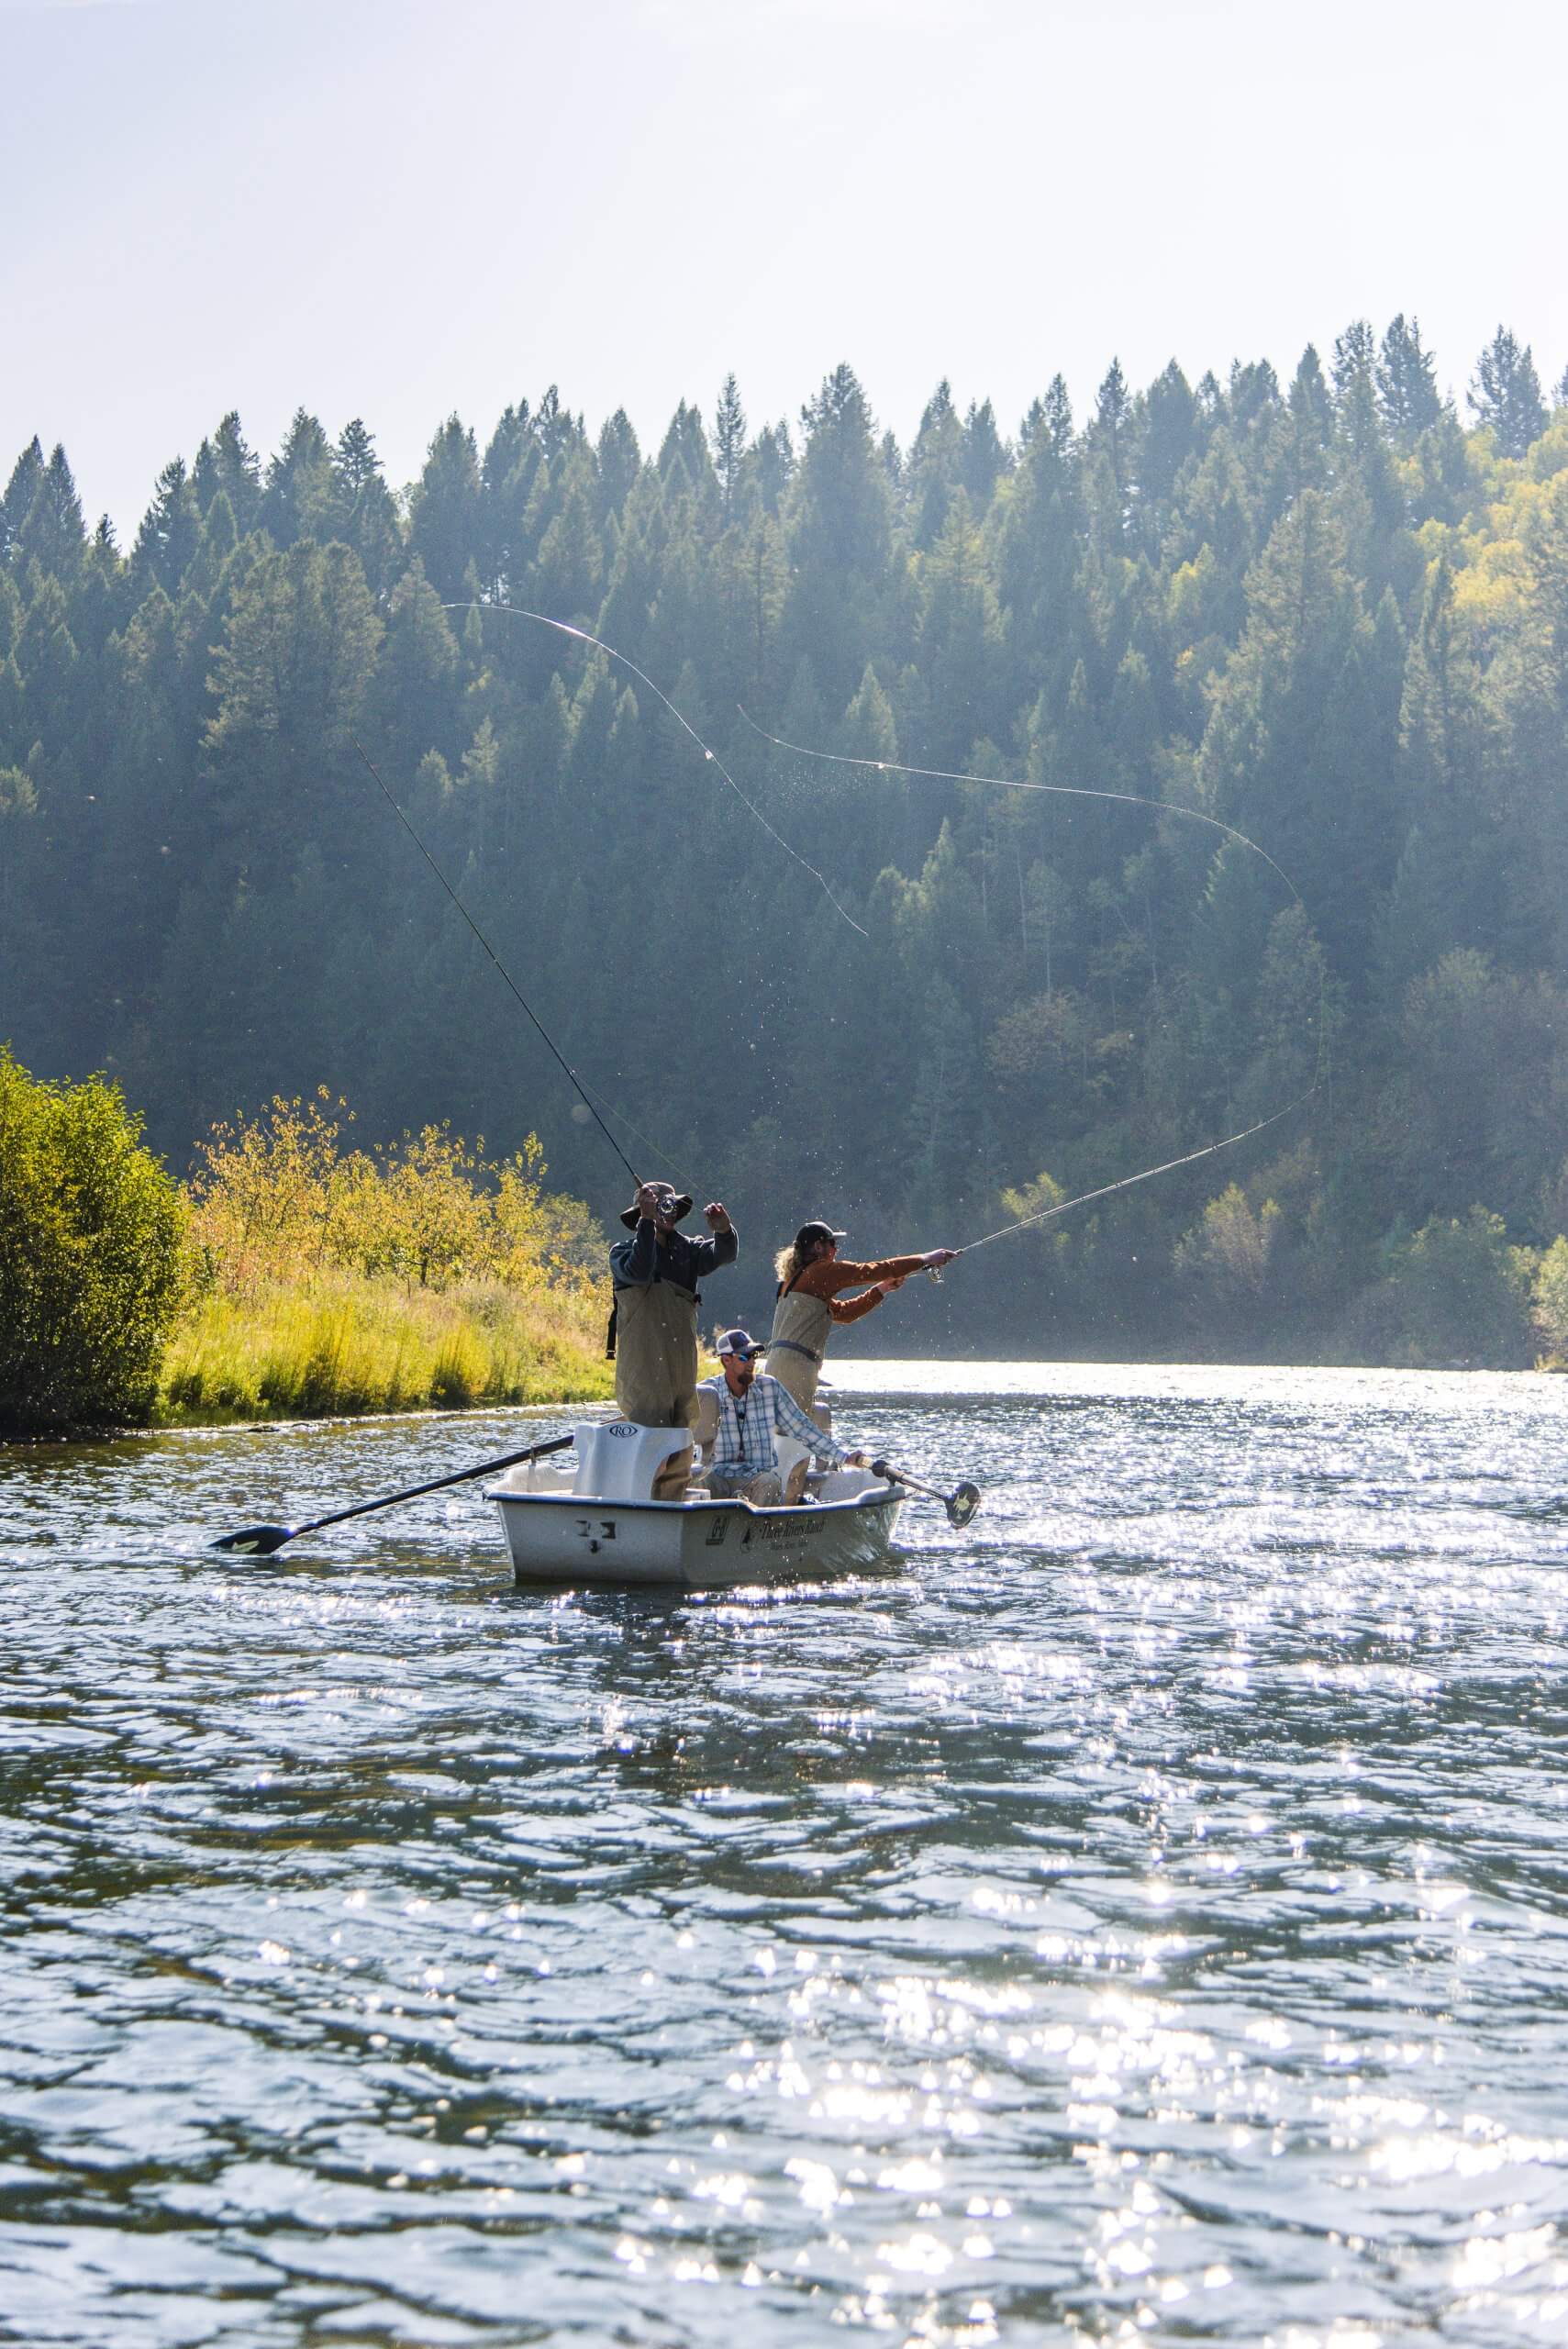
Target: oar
{"points": [[260, 1541], [959, 1504]]}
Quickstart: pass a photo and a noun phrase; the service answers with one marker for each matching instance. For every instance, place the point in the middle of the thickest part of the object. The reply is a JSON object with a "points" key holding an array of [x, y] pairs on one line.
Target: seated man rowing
{"points": [[747, 1413]]}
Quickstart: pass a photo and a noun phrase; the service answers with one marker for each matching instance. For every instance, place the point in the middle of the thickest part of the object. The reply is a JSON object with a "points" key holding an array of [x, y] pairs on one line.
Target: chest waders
{"points": [[656, 1355], [801, 1324]]}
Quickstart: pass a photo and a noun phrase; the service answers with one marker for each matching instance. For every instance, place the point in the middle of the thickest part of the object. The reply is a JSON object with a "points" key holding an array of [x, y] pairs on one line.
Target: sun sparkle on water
{"points": [[1142, 1916]]}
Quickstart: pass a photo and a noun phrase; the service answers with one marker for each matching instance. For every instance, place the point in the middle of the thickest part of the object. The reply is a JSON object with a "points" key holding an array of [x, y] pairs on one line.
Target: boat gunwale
{"points": [[811, 1510]]}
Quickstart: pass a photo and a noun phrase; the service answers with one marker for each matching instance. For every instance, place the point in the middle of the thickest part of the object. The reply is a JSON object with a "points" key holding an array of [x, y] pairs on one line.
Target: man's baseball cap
{"points": [[738, 1342], [817, 1230]]}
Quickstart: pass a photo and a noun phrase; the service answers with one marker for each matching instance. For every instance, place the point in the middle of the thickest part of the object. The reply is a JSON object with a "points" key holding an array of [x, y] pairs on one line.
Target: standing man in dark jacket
{"points": [[656, 1273]]}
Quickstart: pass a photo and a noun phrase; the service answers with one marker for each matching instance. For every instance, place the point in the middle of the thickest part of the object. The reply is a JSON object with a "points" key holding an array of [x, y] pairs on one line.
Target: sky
{"points": [[400, 209]]}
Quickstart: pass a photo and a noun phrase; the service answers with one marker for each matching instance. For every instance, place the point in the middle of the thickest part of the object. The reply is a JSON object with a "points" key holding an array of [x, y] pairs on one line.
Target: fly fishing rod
{"points": [[563, 1062], [711, 757], [880, 766]]}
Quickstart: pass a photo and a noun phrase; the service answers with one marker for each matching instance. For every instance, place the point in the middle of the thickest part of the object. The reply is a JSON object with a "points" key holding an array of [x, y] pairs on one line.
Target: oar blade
{"points": [[256, 1541], [962, 1504]]}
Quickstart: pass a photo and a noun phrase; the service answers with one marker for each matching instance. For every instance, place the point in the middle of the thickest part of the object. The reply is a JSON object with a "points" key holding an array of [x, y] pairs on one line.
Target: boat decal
{"points": [[795, 1527], [718, 1530]]}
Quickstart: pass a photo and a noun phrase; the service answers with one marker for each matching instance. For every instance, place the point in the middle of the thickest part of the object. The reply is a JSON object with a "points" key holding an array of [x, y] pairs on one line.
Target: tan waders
{"points": [[801, 1324], [656, 1369]]}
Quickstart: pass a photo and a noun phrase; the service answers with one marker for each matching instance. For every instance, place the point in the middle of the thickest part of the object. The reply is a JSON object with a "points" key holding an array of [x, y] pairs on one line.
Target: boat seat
{"points": [[790, 1454], [618, 1461]]}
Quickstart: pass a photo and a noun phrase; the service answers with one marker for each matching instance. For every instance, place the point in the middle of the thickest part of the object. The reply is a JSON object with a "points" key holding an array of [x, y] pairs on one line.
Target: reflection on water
{"points": [[1145, 1917]]}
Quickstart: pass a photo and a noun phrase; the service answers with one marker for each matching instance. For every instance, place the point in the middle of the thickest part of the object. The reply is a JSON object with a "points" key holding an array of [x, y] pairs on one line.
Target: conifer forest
{"points": [[1330, 612]]}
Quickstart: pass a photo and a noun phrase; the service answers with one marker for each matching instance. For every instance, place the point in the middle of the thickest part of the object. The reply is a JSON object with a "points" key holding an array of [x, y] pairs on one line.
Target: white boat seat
{"points": [[790, 1454], [618, 1461]]}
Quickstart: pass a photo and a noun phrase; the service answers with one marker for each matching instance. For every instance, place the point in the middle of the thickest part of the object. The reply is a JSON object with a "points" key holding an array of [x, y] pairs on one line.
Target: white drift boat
{"points": [[588, 1521]]}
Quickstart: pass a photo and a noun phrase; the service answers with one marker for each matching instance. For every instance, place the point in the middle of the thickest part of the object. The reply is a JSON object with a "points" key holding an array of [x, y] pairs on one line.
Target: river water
{"points": [[1145, 1917]]}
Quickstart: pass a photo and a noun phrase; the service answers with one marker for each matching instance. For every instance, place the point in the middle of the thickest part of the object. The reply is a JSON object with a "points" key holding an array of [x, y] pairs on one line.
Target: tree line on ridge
{"points": [[1331, 612]]}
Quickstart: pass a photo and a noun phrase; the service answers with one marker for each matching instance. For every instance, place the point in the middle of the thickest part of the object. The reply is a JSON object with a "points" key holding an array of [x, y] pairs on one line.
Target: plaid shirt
{"points": [[744, 1443]]}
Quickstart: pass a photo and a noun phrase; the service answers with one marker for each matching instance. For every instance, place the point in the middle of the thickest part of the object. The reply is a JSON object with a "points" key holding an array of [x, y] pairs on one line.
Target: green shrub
{"points": [[1550, 1299], [1461, 1294], [90, 1256]]}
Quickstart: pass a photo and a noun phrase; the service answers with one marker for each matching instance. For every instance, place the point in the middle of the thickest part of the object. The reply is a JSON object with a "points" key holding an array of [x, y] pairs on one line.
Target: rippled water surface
{"points": [[1144, 1917]]}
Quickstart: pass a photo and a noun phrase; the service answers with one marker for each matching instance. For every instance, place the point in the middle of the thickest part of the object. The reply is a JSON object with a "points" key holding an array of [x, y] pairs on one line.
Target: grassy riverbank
{"points": [[358, 1345], [326, 1281]]}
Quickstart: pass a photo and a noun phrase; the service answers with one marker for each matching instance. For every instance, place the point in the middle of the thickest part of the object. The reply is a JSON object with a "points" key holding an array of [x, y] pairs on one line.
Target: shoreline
{"points": [[878, 1366]]}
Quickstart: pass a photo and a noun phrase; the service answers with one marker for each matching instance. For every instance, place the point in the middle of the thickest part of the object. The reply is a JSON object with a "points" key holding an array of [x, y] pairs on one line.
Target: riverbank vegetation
{"points": [[327, 1277], [90, 1256], [1328, 611], [293, 1275]]}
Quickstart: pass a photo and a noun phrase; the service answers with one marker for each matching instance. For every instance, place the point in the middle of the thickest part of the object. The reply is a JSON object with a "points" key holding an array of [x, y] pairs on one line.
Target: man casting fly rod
{"points": [[653, 1320]]}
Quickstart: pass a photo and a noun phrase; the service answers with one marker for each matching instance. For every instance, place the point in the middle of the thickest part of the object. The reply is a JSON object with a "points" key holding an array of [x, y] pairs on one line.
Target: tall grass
{"points": [[360, 1345], [326, 1282]]}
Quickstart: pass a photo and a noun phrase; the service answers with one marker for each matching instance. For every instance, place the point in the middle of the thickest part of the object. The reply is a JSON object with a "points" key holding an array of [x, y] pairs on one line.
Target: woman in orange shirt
{"points": [[812, 1276]]}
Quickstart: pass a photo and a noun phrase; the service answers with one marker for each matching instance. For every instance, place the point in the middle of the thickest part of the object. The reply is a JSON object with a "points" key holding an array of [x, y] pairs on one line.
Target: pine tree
{"points": [[684, 447], [1445, 887], [298, 652], [842, 535], [171, 529], [1111, 432], [416, 700], [1310, 406], [226, 464], [1252, 401], [1057, 419], [729, 441], [772, 464], [514, 433], [555, 427], [445, 513], [619, 461], [985, 458], [21, 490], [300, 492], [959, 637], [365, 514], [570, 565], [52, 532], [354, 462], [1504, 393], [1170, 438], [1355, 378], [1370, 499], [1407, 395], [1292, 750], [48, 663], [935, 467]]}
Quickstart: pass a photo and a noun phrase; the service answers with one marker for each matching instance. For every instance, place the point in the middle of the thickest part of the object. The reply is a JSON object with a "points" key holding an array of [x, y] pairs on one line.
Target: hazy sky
{"points": [[396, 208]]}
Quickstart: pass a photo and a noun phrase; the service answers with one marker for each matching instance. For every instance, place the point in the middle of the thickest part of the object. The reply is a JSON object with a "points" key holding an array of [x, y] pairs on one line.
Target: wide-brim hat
{"points": [[632, 1218]]}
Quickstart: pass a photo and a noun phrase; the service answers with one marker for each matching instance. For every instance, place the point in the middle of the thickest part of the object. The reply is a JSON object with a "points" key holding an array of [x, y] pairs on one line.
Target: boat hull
{"points": [[565, 1541]]}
